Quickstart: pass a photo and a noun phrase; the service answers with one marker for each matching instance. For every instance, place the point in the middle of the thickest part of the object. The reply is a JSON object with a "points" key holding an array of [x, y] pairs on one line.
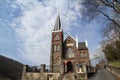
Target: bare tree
{"points": [[104, 7], [111, 33], [110, 9]]}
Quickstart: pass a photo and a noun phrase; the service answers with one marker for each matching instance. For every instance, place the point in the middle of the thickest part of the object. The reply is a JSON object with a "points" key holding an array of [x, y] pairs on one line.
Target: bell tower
{"points": [[56, 47]]}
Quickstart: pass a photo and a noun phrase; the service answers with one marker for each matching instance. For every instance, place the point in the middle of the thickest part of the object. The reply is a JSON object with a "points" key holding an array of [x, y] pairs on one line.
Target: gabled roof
{"points": [[70, 37], [57, 24], [82, 45]]}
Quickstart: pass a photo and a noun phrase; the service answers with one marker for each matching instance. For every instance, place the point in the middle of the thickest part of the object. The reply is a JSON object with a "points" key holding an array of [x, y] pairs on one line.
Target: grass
{"points": [[115, 63]]}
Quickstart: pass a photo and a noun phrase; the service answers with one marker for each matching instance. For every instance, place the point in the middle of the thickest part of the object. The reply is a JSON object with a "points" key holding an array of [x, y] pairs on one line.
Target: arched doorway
{"points": [[69, 67]]}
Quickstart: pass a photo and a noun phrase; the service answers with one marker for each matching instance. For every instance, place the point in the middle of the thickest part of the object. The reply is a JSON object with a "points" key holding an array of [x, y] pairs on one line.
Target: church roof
{"points": [[70, 37], [57, 24], [82, 45]]}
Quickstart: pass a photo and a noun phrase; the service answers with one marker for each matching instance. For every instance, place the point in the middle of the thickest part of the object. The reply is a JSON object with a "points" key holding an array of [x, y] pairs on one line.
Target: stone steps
{"points": [[69, 76]]}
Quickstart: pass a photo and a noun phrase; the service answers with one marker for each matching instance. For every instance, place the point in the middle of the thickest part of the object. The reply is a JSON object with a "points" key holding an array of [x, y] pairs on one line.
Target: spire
{"points": [[76, 41], [86, 43], [57, 23]]}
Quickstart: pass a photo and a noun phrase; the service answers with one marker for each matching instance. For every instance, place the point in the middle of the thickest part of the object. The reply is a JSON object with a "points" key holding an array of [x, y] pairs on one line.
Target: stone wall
{"points": [[40, 76], [115, 70], [34, 73]]}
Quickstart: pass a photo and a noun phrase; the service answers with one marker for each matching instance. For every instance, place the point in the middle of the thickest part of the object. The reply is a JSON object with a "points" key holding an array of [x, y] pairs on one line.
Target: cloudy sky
{"points": [[26, 25]]}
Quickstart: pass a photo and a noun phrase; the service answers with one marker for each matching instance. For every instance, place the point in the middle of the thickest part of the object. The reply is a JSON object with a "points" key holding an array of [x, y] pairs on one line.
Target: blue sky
{"points": [[26, 25]]}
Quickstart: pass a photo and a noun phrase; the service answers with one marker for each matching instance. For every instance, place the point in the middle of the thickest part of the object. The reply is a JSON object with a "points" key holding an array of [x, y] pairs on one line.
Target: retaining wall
{"points": [[114, 69]]}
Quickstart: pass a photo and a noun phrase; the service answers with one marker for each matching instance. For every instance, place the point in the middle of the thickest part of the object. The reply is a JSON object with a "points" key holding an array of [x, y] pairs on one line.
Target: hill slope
{"points": [[10, 69]]}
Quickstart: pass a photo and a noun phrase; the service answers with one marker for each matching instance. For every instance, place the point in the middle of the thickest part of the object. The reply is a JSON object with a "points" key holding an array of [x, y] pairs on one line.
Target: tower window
{"points": [[58, 47], [57, 37], [55, 48]]}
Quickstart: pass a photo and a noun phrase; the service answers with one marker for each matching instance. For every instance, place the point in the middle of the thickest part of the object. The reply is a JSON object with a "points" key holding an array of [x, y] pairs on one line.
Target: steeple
{"points": [[57, 24], [86, 42], [76, 41], [56, 47]]}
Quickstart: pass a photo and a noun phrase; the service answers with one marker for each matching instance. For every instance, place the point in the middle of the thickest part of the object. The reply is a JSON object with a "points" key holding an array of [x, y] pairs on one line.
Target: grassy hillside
{"points": [[10, 69], [115, 63]]}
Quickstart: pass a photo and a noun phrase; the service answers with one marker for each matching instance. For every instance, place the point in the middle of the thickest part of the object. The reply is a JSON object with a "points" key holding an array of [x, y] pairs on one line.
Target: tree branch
{"points": [[107, 3], [111, 5], [109, 18]]}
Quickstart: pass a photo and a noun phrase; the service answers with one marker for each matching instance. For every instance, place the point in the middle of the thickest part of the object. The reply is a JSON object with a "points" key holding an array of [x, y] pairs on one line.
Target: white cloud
{"points": [[36, 23]]}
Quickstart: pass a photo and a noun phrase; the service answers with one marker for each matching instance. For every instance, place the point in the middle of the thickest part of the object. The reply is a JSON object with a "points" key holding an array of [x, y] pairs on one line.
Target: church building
{"points": [[69, 59], [68, 52]]}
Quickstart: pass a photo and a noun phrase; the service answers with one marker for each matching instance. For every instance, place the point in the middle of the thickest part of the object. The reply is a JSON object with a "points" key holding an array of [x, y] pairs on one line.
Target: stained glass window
{"points": [[70, 53]]}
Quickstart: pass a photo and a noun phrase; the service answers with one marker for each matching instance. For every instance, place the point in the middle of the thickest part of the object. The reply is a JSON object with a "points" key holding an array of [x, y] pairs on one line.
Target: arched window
{"points": [[55, 48], [57, 37], [58, 47], [70, 53]]}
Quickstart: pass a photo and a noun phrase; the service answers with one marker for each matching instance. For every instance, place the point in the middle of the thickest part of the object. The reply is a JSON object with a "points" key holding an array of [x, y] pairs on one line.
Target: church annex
{"points": [[69, 59]]}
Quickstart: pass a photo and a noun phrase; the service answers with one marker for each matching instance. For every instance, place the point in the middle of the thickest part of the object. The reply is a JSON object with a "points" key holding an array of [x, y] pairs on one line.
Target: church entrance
{"points": [[69, 67]]}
